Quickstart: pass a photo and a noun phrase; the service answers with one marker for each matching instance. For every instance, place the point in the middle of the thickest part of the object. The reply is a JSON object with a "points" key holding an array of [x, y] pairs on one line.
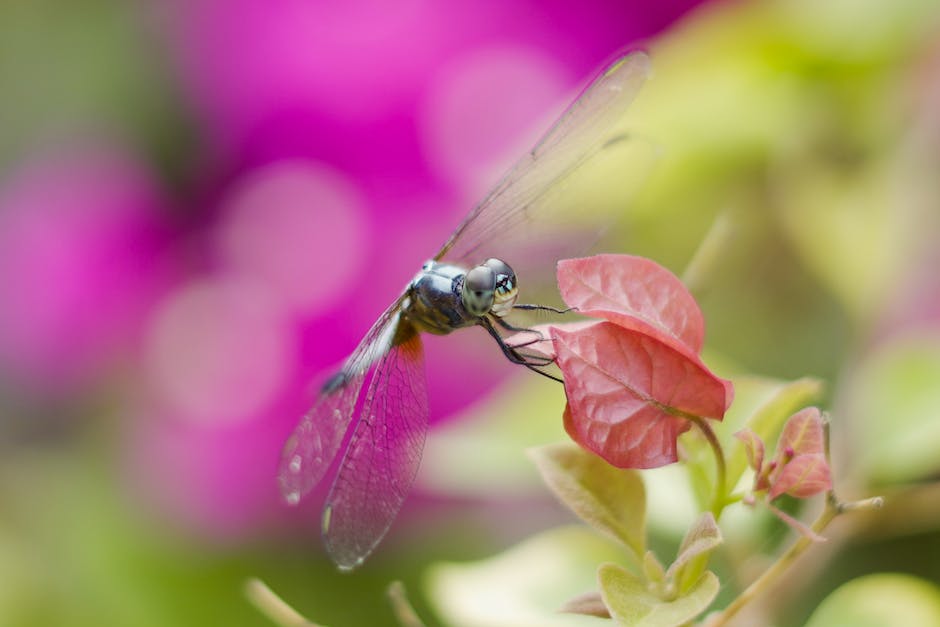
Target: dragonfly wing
{"points": [[589, 132], [312, 446], [382, 457]]}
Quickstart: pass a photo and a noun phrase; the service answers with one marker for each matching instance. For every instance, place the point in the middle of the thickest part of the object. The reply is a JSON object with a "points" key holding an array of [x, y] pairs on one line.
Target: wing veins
{"points": [[363, 514], [318, 438], [589, 119]]}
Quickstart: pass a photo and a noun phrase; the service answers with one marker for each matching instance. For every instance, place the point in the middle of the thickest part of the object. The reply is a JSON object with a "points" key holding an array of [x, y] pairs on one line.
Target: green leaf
{"points": [[610, 499], [652, 569], [524, 585], [880, 600], [894, 397], [632, 603], [753, 448], [512, 419], [699, 463], [702, 538], [846, 229]]}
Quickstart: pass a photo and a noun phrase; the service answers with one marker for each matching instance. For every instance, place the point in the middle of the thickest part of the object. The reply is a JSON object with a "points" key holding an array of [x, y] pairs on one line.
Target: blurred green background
{"points": [[148, 381]]}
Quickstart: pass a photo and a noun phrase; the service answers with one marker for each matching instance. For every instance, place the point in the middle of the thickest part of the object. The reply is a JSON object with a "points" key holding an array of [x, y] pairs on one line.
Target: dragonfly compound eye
{"points": [[478, 291], [506, 288]]}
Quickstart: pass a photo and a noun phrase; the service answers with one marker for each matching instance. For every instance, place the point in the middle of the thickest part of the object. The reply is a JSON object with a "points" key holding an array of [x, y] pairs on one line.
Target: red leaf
{"points": [[803, 434], [753, 448], [627, 390], [802, 477], [634, 293], [802, 468]]}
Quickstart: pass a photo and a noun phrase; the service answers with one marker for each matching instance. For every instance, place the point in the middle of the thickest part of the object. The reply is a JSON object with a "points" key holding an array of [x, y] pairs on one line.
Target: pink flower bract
{"points": [[634, 381], [634, 293], [800, 466], [802, 469]]}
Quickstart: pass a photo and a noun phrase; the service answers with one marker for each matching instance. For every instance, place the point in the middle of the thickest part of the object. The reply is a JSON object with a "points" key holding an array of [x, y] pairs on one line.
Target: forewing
{"points": [[530, 196], [313, 444], [382, 457]]}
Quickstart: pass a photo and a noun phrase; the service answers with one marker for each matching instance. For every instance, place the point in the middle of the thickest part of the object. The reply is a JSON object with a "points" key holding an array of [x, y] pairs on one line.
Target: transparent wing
{"points": [[382, 457], [531, 196], [310, 449]]}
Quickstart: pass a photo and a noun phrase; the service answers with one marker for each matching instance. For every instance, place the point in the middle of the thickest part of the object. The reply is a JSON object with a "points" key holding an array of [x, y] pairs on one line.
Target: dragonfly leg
{"points": [[532, 362], [540, 337], [526, 307], [540, 360]]}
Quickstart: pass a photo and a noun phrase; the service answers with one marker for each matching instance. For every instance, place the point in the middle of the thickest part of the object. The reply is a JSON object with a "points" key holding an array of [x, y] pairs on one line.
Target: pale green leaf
{"points": [[699, 463], [612, 500], [513, 418], [847, 229], [525, 585], [702, 538], [880, 600], [632, 603], [895, 398], [753, 448], [652, 569]]}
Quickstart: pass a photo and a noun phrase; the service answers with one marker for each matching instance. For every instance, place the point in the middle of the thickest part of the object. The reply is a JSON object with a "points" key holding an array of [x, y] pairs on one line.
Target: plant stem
{"points": [[833, 508], [719, 498], [273, 606], [701, 269], [406, 615]]}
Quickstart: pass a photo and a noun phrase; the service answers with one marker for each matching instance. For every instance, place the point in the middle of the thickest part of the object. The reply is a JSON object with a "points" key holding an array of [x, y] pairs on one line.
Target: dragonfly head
{"points": [[490, 288]]}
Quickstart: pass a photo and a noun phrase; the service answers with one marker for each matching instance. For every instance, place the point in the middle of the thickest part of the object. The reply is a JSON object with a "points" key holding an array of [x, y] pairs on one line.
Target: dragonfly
{"points": [[379, 435]]}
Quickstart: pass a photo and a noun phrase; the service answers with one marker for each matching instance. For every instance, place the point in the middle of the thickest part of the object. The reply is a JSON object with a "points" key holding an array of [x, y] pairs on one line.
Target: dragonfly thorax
{"points": [[445, 297]]}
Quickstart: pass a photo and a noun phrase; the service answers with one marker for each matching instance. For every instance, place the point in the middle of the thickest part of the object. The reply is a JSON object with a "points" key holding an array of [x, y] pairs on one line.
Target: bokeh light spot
{"points": [[218, 350], [79, 229], [298, 228], [486, 108]]}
